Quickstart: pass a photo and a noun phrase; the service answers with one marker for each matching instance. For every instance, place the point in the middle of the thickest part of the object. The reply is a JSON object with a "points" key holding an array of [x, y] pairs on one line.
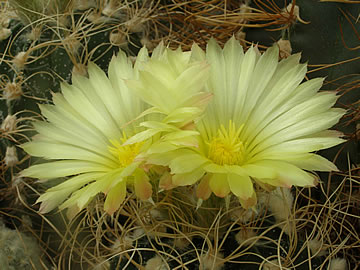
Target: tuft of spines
{"points": [[11, 158], [338, 264], [211, 260], [156, 263]]}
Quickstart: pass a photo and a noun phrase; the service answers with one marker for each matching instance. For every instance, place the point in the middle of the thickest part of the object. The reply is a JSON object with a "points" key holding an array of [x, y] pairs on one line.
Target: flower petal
{"points": [[115, 197], [82, 197], [62, 168], [256, 170], [73, 136], [297, 146], [288, 174], [261, 76], [203, 190], [56, 195], [183, 114], [165, 181], [165, 158], [57, 150], [215, 168], [51, 200], [187, 163], [312, 162], [142, 136], [241, 186], [184, 179], [219, 185], [250, 202], [143, 188]]}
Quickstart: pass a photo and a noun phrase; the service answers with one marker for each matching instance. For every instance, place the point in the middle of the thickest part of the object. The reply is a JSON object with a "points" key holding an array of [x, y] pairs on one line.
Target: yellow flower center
{"points": [[125, 153], [227, 148]]}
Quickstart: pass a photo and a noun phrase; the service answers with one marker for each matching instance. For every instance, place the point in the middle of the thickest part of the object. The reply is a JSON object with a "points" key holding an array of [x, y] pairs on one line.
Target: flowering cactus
{"points": [[89, 124], [83, 139], [260, 126]]}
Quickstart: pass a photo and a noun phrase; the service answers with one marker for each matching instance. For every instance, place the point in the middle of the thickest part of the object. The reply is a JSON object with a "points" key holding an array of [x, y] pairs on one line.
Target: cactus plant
{"points": [[19, 251], [42, 43]]}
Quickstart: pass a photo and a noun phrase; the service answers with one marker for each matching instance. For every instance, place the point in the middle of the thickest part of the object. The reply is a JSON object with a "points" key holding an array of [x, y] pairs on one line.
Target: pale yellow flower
{"points": [[173, 84], [83, 136], [91, 120], [262, 126]]}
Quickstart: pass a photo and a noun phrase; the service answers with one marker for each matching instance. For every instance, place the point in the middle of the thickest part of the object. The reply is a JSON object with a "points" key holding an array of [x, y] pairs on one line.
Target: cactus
{"points": [[42, 43], [212, 237], [19, 251], [48, 41]]}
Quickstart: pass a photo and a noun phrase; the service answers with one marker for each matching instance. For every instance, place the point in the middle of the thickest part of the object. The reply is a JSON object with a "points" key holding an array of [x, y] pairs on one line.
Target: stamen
{"points": [[125, 153], [227, 148]]}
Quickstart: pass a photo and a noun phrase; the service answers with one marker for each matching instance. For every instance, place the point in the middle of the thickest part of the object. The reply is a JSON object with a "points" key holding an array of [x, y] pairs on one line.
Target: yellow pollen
{"points": [[125, 153], [227, 148]]}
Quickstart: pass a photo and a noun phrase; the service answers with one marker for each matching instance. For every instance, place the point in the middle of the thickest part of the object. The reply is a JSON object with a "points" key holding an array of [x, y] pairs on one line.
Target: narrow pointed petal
{"points": [[56, 195], [186, 163], [62, 168], [143, 188], [82, 197], [241, 186], [53, 150], [51, 200], [248, 203], [77, 138], [115, 197], [203, 190], [288, 175], [166, 182], [183, 179], [312, 162], [219, 185]]}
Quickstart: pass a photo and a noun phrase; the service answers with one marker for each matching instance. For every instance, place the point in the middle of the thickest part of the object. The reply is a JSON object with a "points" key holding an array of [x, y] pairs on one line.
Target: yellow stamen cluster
{"points": [[125, 153], [227, 148]]}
